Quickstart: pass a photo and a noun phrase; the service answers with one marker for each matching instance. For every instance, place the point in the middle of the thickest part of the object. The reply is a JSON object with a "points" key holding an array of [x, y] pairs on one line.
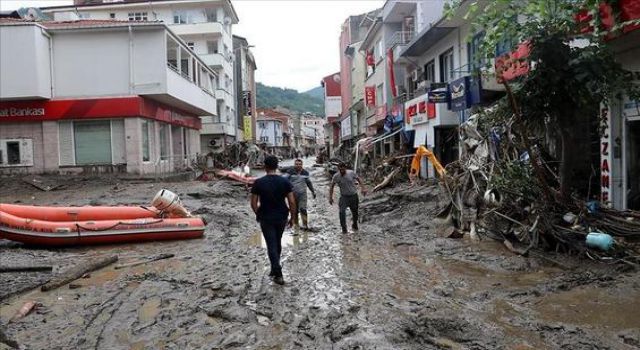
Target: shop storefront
{"points": [[620, 143], [130, 134], [434, 125]]}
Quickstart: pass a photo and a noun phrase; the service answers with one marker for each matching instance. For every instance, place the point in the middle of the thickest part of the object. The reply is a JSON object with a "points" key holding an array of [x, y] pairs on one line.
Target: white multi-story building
{"points": [[86, 95], [204, 25], [270, 131]]}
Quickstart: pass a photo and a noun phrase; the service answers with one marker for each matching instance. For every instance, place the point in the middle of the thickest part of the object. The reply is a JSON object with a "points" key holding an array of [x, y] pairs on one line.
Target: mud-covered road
{"points": [[394, 285]]}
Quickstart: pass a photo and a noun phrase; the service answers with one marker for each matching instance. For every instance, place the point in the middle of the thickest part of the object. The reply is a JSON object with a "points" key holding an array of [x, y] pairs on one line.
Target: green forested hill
{"points": [[317, 92], [269, 97]]}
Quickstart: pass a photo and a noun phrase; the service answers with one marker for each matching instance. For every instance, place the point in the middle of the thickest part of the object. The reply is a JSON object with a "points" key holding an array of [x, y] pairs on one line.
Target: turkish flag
{"points": [[370, 60], [392, 77]]}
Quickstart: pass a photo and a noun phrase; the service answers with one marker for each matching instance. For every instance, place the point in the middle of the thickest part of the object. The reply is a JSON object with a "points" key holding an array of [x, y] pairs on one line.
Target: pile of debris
{"points": [[234, 155], [505, 188]]}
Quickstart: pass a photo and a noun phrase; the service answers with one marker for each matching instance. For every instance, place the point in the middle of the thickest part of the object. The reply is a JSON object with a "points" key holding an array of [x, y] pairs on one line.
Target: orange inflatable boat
{"points": [[64, 226]]}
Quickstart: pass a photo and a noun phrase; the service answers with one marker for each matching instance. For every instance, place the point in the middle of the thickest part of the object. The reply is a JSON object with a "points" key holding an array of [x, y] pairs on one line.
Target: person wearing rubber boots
{"points": [[268, 196], [300, 180], [346, 181]]}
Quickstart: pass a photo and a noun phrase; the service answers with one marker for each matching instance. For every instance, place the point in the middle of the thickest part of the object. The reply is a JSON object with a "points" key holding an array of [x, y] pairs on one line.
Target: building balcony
{"points": [[216, 61], [197, 28], [395, 11], [379, 113], [216, 128], [226, 96], [179, 91]]}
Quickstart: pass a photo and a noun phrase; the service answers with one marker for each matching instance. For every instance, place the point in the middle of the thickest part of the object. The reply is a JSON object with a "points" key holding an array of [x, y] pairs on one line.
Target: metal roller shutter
{"points": [[92, 142]]}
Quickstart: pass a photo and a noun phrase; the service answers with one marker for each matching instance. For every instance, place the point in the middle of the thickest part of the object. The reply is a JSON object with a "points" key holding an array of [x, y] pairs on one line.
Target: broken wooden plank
{"points": [[77, 272], [24, 310], [387, 180], [5, 269], [156, 258], [42, 183]]}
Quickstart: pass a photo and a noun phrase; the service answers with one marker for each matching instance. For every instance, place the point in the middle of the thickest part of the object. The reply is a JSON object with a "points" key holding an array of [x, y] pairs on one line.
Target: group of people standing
{"points": [[278, 200]]}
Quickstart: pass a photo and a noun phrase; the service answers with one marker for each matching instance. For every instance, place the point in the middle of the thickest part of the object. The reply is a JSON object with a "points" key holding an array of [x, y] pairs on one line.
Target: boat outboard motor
{"points": [[169, 203]]}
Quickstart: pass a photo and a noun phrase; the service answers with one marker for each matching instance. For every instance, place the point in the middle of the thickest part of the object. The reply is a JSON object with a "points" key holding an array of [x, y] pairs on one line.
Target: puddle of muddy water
{"points": [[149, 310], [288, 240], [589, 306]]}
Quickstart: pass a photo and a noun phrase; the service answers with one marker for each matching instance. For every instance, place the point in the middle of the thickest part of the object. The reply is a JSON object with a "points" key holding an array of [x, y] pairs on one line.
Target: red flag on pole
{"points": [[370, 60], [392, 77]]}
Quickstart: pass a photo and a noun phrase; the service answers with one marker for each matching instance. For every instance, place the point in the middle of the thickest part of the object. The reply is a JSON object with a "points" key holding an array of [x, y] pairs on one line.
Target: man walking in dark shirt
{"points": [[268, 196]]}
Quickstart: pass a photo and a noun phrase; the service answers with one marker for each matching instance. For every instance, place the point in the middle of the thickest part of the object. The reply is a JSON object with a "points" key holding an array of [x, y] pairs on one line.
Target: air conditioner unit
{"points": [[414, 75], [424, 84]]}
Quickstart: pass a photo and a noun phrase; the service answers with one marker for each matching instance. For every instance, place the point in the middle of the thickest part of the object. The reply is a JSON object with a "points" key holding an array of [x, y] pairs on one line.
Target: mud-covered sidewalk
{"points": [[394, 285]]}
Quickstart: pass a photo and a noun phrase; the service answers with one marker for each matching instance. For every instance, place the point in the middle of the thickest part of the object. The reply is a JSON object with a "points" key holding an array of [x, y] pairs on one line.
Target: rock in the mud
{"points": [[9, 342], [232, 313], [234, 340]]}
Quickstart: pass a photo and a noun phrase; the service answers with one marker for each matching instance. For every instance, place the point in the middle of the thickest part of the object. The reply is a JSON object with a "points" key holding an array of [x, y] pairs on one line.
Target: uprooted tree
{"points": [[543, 161], [573, 72]]}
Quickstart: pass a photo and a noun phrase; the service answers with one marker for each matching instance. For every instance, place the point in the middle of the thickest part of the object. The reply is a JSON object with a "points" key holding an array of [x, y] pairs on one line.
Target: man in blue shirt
{"points": [[268, 196]]}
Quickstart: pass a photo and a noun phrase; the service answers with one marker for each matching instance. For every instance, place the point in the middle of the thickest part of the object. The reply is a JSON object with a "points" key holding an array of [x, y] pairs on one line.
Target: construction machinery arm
{"points": [[425, 152]]}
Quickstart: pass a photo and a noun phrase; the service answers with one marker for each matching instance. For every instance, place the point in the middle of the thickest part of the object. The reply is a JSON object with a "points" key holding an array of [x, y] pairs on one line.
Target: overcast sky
{"points": [[296, 41]]}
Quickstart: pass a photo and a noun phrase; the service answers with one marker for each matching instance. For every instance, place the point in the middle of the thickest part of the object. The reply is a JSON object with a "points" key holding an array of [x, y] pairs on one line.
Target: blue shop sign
{"points": [[465, 92]]}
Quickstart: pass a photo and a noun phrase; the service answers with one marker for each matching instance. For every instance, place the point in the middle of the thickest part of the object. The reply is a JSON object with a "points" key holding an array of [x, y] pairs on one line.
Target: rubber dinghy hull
{"points": [[39, 232]]}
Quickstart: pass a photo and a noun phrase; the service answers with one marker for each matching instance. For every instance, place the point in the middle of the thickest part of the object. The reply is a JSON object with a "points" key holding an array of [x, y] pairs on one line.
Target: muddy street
{"points": [[395, 284]]}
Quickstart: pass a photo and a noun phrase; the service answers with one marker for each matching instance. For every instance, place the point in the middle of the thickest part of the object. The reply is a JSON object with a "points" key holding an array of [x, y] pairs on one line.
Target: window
{"points": [[212, 46], [212, 15], [264, 139], [92, 140], [185, 142], [379, 97], [84, 15], [446, 66], [164, 142], [430, 71], [13, 152], [182, 17], [112, 15], [473, 52], [191, 45], [504, 46], [138, 16], [262, 125], [378, 51], [146, 156]]}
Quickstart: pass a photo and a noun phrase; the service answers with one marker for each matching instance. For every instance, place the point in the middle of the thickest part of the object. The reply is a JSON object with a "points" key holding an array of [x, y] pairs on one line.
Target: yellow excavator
{"points": [[415, 163]]}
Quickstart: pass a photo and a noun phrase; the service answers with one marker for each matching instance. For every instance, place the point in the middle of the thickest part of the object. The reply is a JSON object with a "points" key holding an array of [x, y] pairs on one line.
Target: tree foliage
{"points": [[573, 70], [270, 97]]}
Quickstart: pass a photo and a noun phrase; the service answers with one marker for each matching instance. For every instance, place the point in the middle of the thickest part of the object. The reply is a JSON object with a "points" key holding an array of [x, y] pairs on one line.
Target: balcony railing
{"points": [[402, 38]]}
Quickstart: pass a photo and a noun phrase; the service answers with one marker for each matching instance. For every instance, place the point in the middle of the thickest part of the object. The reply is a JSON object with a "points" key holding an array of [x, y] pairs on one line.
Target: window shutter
{"points": [[118, 142], [65, 134]]}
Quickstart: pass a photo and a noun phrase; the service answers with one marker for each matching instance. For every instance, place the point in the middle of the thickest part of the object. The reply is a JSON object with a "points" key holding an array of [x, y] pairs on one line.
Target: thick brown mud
{"points": [[395, 284]]}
